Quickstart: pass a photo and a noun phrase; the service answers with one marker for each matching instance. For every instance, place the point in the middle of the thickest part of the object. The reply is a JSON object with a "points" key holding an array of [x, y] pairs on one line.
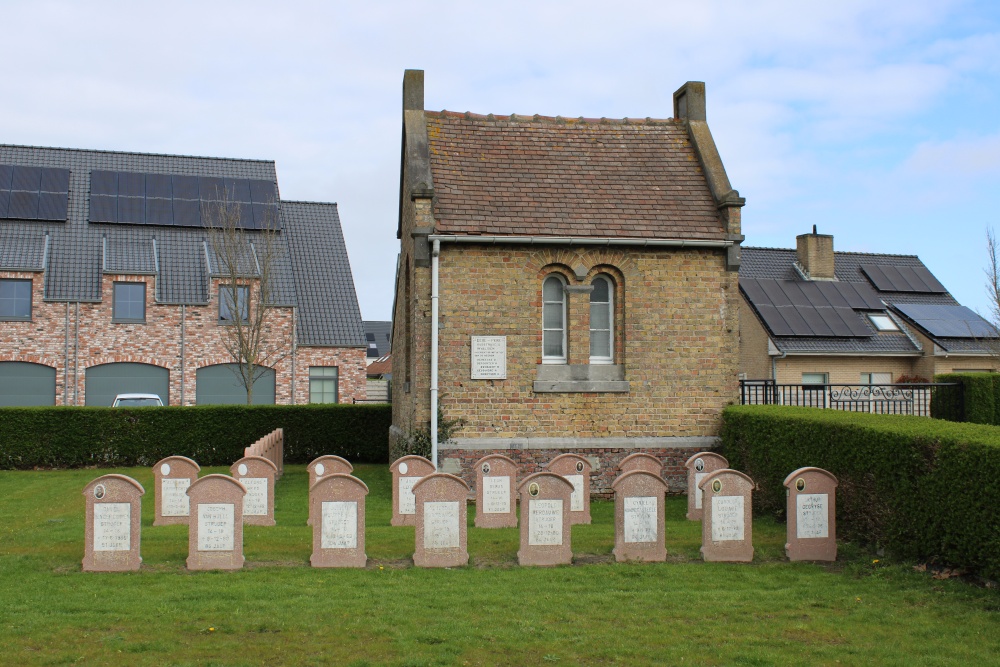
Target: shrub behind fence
{"points": [[922, 488], [72, 437]]}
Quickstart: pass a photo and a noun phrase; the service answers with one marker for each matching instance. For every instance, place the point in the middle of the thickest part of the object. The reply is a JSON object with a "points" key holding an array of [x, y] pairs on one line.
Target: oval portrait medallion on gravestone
{"points": [[699, 465], [717, 486], [165, 469], [800, 484], [242, 469], [579, 466], [99, 491], [320, 469], [486, 468], [403, 468], [533, 489]]}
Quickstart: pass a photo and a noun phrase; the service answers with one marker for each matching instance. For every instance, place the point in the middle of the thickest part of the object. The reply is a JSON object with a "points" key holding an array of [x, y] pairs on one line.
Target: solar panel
{"points": [[185, 187], [187, 213], [159, 186], [211, 188], [5, 173], [104, 183], [238, 189], [103, 208], [246, 215], [53, 206], [132, 210], [131, 184], [26, 178], [831, 293], [947, 321], [55, 180], [797, 308], [262, 192], [4, 201], [23, 205], [265, 216], [898, 278], [159, 211], [933, 285]]}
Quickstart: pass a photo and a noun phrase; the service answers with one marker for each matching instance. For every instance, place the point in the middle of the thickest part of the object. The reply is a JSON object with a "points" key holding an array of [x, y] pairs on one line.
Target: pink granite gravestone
{"points": [[641, 461], [339, 532], [322, 466], [406, 472], [215, 532], [576, 470], [257, 474], [545, 521], [442, 517], [639, 517], [114, 510], [812, 515], [700, 466], [727, 521], [496, 484], [171, 478]]}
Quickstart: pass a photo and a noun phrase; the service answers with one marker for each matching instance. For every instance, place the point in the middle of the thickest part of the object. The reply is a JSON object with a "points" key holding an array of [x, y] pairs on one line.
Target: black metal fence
{"points": [[922, 400]]}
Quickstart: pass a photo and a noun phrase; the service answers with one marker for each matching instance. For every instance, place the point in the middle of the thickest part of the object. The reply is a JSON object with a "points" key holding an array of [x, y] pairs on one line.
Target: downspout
{"points": [[294, 348], [435, 253], [66, 361], [76, 358], [183, 319]]}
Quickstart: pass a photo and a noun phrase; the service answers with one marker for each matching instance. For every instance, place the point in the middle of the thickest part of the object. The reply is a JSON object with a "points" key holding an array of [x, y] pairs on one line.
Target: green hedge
{"points": [[980, 398], [921, 488], [71, 437]]}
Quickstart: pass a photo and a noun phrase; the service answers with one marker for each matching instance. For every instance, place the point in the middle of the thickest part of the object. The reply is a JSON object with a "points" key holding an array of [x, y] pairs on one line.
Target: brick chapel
{"points": [[565, 285]]}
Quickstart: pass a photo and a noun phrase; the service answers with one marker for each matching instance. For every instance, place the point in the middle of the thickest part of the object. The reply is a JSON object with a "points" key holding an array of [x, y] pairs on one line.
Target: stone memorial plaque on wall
{"points": [[639, 516], [113, 512], [576, 469], [339, 526], [257, 474], [322, 466], [215, 532], [545, 520], [171, 478], [441, 526], [406, 472], [812, 515], [727, 522], [496, 484], [699, 467], [489, 358]]}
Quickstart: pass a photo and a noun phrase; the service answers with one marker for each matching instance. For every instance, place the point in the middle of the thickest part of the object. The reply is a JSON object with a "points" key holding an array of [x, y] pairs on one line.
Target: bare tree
{"points": [[246, 264], [992, 272]]}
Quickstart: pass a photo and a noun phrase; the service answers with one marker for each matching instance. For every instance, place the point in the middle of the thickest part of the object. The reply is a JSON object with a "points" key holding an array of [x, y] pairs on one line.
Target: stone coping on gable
{"points": [[499, 444]]}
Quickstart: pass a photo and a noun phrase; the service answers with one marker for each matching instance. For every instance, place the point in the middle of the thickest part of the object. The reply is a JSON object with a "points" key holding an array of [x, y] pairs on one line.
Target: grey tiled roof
{"points": [[380, 333], [328, 304], [80, 251], [884, 343]]}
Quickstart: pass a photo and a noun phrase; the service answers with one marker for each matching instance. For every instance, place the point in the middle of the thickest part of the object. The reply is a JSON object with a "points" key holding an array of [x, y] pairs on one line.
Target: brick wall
{"points": [[755, 362], [74, 337], [842, 369]]}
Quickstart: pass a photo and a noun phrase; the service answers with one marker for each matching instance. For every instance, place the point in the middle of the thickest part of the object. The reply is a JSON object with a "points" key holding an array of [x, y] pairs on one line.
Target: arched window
{"points": [[602, 317], [553, 321]]}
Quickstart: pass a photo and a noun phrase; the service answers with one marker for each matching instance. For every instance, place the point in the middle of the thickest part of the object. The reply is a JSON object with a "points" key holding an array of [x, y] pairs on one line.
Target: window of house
{"points": [[553, 321], [228, 309], [15, 299], [814, 379], [129, 302], [882, 322], [876, 378], [602, 317], [323, 384]]}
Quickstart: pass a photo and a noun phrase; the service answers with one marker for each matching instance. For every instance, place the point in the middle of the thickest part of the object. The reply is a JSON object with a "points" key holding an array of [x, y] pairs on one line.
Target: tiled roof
{"points": [[328, 304], [381, 366], [80, 251], [379, 333], [534, 176]]}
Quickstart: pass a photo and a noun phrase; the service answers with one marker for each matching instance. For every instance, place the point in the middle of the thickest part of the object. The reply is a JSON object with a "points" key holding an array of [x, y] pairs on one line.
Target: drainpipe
{"points": [[66, 361], [435, 253], [76, 358], [183, 318]]}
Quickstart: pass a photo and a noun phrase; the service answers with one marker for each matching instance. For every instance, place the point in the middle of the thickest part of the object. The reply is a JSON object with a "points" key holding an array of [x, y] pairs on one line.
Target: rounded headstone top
{"points": [[215, 479], [172, 463], [637, 475], [412, 465], [572, 463], [440, 478], [247, 460], [329, 460], [809, 472], [544, 478], [640, 461], [335, 478], [725, 472], [710, 457], [113, 479], [490, 458]]}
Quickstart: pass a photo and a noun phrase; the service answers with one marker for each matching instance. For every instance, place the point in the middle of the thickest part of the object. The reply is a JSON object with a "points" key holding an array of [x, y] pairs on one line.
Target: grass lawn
{"points": [[278, 610]]}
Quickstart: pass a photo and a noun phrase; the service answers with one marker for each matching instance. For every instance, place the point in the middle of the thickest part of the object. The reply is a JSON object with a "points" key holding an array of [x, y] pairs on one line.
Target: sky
{"points": [[877, 121]]}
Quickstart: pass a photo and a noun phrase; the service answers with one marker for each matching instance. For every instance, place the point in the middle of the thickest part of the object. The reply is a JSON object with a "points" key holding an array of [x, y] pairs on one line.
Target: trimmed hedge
{"points": [[72, 437], [980, 398], [921, 488]]}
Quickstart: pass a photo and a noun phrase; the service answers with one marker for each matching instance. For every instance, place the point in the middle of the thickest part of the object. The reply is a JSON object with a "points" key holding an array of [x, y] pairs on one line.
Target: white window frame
{"points": [[882, 322], [610, 331], [561, 358]]}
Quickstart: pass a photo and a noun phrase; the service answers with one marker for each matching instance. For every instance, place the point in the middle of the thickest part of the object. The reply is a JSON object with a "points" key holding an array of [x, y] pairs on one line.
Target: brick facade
{"points": [[72, 337]]}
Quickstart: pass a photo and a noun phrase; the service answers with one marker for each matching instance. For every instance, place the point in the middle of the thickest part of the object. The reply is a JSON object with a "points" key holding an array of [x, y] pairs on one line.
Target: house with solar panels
{"points": [[815, 316], [109, 284]]}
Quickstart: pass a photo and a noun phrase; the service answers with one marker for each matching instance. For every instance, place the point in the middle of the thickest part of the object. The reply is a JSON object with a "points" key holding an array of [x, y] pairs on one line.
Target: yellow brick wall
{"points": [[842, 369], [755, 363]]}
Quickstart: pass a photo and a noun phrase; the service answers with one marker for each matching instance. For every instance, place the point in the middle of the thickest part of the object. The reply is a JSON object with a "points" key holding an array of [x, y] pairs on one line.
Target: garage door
{"points": [[25, 384], [106, 381], [220, 384]]}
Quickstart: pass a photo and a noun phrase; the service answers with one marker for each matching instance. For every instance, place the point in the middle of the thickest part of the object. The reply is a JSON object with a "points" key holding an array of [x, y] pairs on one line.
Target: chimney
{"points": [[413, 90], [815, 255], [689, 101]]}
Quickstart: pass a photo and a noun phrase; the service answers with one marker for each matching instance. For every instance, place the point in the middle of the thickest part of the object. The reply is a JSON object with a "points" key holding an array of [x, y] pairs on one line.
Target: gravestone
{"points": [[576, 470], [406, 472], [639, 516], [171, 478], [339, 531], [322, 466], [114, 511], [215, 532], [496, 486], [700, 466], [812, 515], [727, 521], [641, 461], [257, 474], [545, 521], [442, 521]]}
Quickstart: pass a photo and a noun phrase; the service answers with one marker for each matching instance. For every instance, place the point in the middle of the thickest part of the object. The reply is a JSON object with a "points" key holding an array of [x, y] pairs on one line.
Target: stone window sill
{"points": [[579, 378]]}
